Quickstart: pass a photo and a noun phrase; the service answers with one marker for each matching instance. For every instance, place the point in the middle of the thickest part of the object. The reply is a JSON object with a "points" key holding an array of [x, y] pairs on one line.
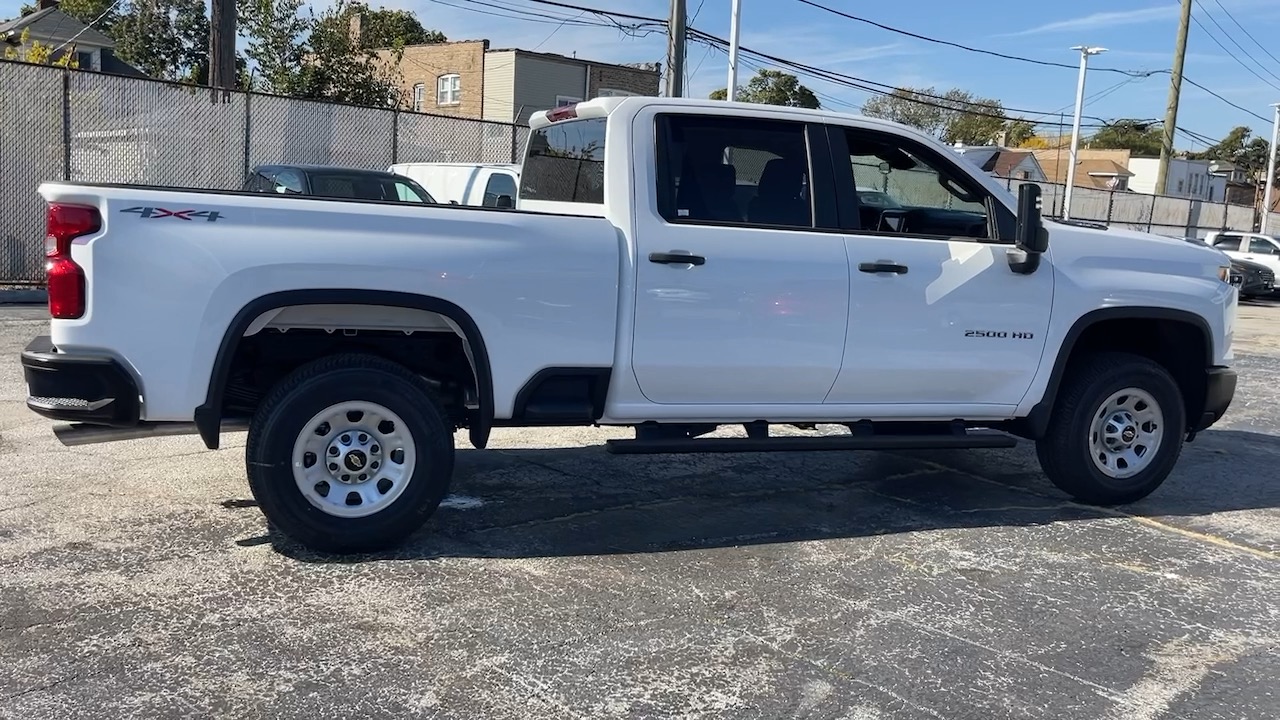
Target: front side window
{"points": [[449, 89], [718, 169], [565, 162], [1227, 243], [903, 191]]}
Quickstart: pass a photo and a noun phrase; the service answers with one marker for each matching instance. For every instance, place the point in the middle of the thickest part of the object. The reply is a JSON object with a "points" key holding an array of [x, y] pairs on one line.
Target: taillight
{"points": [[65, 279]]}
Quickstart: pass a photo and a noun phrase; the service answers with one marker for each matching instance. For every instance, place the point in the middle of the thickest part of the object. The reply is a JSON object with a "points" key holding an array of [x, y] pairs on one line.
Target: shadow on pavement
{"points": [[582, 501]]}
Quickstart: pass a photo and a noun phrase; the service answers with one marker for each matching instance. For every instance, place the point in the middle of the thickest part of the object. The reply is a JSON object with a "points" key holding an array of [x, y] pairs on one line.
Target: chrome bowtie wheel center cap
{"points": [[1121, 431], [355, 461]]}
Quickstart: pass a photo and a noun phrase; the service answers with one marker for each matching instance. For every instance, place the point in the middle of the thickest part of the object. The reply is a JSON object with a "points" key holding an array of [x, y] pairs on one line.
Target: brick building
{"points": [[469, 79]]}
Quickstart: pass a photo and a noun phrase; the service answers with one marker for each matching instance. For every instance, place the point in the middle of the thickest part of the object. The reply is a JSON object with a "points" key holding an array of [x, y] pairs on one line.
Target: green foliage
{"points": [[1140, 138], [379, 29], [1240, 148], [773, 87], [953, 116]]}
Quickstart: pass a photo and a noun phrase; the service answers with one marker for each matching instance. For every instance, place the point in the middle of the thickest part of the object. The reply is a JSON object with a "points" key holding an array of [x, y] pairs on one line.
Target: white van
{"points": [[487, 184]]}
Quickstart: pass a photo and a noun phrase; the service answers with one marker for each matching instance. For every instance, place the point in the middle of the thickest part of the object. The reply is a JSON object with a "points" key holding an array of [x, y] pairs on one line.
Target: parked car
{"points": [[1251, 278], [336, 182], [483, 184], [1253, 247], [353, 339]]}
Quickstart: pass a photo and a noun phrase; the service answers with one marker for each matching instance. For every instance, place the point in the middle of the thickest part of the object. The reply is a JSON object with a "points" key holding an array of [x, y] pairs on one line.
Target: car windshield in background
{"points": [[368, 187]]}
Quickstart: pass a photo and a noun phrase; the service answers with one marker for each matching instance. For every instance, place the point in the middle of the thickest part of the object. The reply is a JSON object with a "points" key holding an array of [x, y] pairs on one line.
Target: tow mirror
{"points": [[504, 201], [1031, 238]]}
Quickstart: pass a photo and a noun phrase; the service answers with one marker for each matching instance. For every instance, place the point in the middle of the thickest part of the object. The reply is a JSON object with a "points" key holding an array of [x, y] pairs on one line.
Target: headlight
{"points": [[1224, 273]]}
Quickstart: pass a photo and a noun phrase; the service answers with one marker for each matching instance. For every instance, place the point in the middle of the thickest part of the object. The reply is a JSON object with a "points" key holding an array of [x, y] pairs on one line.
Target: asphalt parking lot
{"points": [[137, 580]]}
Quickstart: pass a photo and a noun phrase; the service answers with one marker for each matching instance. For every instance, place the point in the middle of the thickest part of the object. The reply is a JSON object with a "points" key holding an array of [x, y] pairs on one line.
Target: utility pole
{"points": [[1072, 159], [734, 15], [675, 50], [1271, 169], [1175, 91], [222, 48]]}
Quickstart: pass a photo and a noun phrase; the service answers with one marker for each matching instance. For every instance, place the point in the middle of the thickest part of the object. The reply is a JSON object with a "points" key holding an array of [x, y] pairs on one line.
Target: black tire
{"points": [[287, 411], [1065, 452]]}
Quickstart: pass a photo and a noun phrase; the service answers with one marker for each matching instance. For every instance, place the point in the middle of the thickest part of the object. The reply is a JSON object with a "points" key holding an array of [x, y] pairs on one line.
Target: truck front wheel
{"points": [[349, 454], [1116, 429]]}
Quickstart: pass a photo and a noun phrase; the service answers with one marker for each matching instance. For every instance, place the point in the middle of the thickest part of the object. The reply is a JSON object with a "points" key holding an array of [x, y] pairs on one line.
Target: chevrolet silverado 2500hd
{"points": [[674, 265]]}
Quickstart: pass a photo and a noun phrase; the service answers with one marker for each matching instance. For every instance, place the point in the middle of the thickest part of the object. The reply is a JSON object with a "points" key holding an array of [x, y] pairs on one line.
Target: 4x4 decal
{"points": [[155, 212]]}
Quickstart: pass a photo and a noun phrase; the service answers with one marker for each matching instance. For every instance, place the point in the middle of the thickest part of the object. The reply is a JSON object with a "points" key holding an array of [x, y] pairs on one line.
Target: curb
{"points": [[24, 296]]}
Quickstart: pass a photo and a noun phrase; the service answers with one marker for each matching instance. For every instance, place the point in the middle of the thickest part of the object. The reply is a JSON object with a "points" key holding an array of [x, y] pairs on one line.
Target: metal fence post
{"points": [[515, 132], [1111, 205], [395, 135], [66, 124], [1151, 216], [248, 134]]}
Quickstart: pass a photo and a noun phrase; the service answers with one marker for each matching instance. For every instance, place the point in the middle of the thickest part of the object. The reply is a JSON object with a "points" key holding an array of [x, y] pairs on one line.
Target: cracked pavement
{"points": [[137, 579]]}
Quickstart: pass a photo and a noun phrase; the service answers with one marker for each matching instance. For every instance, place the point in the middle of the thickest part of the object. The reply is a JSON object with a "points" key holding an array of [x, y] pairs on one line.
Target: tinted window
{"points": [[499, 184], [565, 163], [365, 187], [738, 170], [1259, 246], [902, 190], [1227, 243]]}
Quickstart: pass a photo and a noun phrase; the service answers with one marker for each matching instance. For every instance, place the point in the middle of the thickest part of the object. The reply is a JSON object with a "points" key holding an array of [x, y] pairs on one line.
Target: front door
{"points": [[1265, 251], [740, 297], [936, 316]]}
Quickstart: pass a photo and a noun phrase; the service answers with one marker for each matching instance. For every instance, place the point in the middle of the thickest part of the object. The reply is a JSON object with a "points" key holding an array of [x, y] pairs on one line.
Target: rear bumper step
{"points": [[78, 388], [969, 440]]}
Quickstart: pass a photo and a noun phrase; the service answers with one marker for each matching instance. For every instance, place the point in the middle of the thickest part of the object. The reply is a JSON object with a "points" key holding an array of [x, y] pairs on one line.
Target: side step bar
{"points": [[73, 434], [969, 440]]}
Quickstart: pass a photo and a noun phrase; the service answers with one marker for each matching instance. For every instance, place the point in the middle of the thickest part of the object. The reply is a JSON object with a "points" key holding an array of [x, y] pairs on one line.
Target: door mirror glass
{"points": [[504, 201]]}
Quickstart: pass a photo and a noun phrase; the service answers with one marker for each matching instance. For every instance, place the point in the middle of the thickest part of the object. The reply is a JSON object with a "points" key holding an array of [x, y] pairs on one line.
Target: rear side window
{"points": [[499, 184], [565, 163]]}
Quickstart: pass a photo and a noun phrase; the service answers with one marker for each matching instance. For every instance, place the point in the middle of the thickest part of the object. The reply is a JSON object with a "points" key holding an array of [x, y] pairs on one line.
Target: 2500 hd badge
{"points": [[999, 334]]}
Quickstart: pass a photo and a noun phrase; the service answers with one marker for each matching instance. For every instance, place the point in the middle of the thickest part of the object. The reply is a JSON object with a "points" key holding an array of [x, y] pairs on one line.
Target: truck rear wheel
{"points": [[1116, 429], [349, 454]]}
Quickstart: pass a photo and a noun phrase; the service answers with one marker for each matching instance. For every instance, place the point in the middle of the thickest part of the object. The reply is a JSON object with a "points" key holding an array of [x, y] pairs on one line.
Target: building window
{"points": [[565, 100], [1024, 174], [419, 96], [449, 89]]}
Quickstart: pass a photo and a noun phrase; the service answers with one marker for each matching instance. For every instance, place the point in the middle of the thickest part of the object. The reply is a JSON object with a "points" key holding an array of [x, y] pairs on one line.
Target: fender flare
{"points": [[1037, 420], [208, 417]]}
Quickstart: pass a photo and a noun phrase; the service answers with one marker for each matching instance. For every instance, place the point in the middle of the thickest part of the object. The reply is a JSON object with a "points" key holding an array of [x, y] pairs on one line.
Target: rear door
{"points": [[742, 282]]}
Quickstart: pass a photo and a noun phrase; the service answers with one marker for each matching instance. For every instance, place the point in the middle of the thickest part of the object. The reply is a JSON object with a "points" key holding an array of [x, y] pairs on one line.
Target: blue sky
{"points": [[1139, 35]]}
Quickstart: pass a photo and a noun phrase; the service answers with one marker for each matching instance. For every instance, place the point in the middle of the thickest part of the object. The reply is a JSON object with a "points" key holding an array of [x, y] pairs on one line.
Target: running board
{"points": [[73, 434], [969, 440]]}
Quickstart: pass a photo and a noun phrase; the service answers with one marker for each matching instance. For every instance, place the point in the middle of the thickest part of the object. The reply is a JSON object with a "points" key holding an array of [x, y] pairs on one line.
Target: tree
{"points": [[1242, 150], [1140, 138], [318, 57], [952, 116], [381, 28], [773, 87], [34, 51], [1019, 133]]}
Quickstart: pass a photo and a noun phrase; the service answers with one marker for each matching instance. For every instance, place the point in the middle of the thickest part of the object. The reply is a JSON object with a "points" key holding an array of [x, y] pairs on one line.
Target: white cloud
{"points": [[1101, 20]]}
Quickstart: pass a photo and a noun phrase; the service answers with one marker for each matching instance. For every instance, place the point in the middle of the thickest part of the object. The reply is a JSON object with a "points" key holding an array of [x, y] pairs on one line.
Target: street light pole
{"points": [[1271, 169], [1085, 52], [734, 14]]}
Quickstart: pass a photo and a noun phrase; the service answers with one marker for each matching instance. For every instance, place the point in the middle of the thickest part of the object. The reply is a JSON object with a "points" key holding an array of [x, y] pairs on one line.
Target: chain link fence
{"points": [[85, 126]]}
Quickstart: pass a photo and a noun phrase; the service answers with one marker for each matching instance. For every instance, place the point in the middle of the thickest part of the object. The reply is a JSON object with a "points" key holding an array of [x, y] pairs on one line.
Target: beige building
{"points": [[469, 79]]}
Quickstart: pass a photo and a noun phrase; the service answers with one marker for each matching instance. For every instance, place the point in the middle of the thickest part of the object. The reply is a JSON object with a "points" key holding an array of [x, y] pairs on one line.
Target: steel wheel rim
{"points": [[1126, 433], [353, 459]]}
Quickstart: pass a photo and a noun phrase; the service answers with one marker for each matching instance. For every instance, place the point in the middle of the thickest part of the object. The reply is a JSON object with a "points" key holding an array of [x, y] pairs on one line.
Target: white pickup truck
{"points": [[675, 265]]}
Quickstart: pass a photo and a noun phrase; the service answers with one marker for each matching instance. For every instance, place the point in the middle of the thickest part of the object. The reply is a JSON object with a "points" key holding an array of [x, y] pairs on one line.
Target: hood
{"points": [[1101, 246]]}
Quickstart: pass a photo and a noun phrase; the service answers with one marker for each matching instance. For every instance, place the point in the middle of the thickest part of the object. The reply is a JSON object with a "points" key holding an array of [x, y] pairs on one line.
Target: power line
{"points": [[1238, 107], [926, 38], [1234, 56], [1246, 32]]}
